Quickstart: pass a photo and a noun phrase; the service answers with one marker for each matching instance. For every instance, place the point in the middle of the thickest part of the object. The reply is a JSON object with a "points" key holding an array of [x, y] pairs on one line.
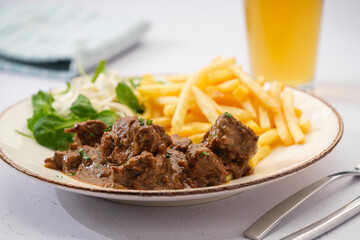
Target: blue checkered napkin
{"points": [[48, 39]]}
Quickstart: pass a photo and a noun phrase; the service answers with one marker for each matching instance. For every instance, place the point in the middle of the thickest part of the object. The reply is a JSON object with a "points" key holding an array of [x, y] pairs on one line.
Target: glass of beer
{"points": [[283, 39]]}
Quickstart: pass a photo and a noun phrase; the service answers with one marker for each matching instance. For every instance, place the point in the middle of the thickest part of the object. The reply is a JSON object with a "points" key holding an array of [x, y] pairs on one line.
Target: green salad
{"points": [[111, 97]]}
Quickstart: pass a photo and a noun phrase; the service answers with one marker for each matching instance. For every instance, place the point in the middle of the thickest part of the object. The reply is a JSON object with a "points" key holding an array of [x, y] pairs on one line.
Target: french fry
{"points": [[254, 86], [156, 90], [240, 93], [190, 103], [157, 111], [166, 100], [179, 78], [148, 79], [305, 124], [180, 112], [248, 106], [227, 86], [194, 128], [262, 152], [238, 113], [164, 121], [269, 137], [181, 109], [254, 126], [217, 77], [279, 119], [205, 105], [290, 117], [147, 113], [197, 138], [218, 58], [169, 110], [216, 106], [221, 98], [192, 116], [195, 110], [264, 118], [298, 112], [261, 80], [220, 64]]}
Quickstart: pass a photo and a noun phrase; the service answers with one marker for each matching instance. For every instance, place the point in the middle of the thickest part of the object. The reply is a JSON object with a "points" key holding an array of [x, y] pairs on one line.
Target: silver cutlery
{"points": [[327, 223], [270, 219]]}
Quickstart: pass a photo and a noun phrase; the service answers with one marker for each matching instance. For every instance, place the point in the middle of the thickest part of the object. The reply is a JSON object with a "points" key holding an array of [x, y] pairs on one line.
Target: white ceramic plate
{"points": [[27, 156]]}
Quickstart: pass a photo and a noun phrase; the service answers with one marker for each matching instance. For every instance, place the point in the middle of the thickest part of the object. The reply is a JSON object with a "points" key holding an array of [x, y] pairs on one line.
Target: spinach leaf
{"points": [[43, 100], [49, 131], [82, 107], [100, 69], [107, 116], [42, 106], [126, 96], [36, 116]]}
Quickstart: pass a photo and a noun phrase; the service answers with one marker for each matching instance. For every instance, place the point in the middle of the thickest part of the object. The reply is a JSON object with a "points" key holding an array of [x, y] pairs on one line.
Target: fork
{"points": [[270, 219]]}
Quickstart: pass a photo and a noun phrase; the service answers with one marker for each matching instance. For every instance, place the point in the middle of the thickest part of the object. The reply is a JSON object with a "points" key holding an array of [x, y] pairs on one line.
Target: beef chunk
{"points": [[164, 136], [179, 163], [129, 137], [88, 133], [67, 161], [180, 144], [205, 168], [137, 155], [71, 161], [146, 172], [238, 169], [232, 141], [55, 162]]}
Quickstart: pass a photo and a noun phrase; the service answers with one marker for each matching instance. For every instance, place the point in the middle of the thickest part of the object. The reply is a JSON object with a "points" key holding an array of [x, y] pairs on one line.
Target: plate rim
{"points": [[182, 192]]}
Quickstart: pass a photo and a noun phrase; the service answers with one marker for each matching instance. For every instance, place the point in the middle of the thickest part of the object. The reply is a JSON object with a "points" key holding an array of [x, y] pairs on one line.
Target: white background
{"points": [[184, 36]]}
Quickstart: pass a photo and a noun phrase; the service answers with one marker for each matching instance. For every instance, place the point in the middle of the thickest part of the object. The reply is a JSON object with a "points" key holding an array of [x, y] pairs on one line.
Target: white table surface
{"points": [[184, 36]]}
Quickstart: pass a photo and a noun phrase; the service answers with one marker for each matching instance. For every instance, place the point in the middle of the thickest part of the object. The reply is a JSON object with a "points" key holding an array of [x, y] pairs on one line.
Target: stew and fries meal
{"points": [[116, 131], [189, 104]]}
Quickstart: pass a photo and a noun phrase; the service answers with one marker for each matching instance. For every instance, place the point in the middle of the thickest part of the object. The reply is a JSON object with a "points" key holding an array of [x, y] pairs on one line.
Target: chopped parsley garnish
{"points": [[141, 121], [212, 135], [228, 115], [71, 174], [97, 165], [124, 163], [92, 134], [205, 153], [167, 155], [149, 121], [108, 128], [83, 154]]}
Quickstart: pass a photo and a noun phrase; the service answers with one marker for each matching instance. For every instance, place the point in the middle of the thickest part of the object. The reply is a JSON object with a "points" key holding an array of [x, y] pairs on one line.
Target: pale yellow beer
{"points": [[283, 39]]}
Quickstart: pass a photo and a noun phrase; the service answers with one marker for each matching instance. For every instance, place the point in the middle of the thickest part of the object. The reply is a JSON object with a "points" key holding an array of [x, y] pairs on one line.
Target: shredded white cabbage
{"points": [[101, 94]]}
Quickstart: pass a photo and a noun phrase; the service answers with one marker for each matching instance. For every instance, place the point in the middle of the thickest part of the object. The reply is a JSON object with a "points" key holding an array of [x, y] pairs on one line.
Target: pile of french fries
{"points": [[189, 104]]}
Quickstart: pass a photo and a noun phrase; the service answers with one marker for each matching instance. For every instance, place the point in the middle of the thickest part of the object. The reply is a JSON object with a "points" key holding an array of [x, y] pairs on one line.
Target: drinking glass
{"points": [[283, 39]]}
